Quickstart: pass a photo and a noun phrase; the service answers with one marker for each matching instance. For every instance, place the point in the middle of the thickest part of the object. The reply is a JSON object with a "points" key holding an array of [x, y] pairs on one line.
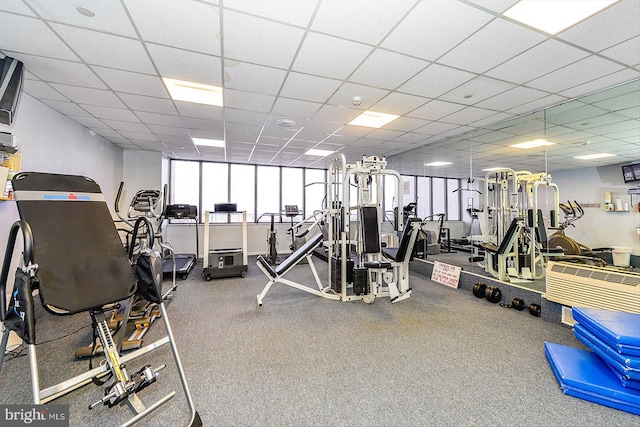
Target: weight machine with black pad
{"points": [[74, 257]]}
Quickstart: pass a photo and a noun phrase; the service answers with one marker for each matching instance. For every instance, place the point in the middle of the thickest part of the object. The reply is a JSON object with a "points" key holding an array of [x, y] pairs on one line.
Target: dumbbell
{"points": [[534, 309], [491, 293], [516, 304]]}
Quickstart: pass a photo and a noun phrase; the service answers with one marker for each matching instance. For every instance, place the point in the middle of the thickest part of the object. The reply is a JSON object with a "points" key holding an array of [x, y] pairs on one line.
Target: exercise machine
{"points": [[182, 263], [224, 262], [359, 268], [79, 266], [272, 240], [516, 240]]}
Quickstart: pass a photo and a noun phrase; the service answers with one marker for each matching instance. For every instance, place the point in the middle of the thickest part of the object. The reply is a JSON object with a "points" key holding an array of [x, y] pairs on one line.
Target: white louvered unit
{"points": [[586, 286]]}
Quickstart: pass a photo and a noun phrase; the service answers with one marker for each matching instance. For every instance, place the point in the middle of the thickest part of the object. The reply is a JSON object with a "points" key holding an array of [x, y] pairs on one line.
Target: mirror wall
{"points": [[606, 122]]}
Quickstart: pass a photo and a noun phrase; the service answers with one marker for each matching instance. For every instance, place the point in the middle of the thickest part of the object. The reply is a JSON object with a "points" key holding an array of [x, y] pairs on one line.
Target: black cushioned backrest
{"points": [[300, 253], [81, 261], [406, 236], [370, 229], [507, 237]]}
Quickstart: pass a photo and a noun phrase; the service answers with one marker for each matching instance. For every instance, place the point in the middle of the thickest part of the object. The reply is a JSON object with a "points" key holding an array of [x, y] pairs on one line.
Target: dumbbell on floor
{"points": [[490, 293], [518, 304]]}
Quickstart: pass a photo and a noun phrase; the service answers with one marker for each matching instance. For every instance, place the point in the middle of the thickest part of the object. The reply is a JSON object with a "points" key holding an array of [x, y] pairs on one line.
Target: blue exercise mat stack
{"points": [[609, 374]]}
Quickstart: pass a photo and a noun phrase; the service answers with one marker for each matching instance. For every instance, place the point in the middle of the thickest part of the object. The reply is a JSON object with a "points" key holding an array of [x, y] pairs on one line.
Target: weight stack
{"points": [[360, 281], [336, 272]]}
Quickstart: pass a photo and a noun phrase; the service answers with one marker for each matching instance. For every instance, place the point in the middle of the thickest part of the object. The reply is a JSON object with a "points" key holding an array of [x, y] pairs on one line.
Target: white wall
{"points": [[599, 228]]}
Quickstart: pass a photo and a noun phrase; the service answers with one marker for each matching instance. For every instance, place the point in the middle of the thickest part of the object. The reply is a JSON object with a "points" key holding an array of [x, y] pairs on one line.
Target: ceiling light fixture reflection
{"points": [[373, 119], [198, 93], [532, 144], [497, 168], [438, 163], [318, 153], [594, 156], [208, 142], [557, 15]]}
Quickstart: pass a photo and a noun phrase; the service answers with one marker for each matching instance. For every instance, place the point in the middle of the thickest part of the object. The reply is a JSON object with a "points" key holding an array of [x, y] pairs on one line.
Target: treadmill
{"points": [[184, 263]]}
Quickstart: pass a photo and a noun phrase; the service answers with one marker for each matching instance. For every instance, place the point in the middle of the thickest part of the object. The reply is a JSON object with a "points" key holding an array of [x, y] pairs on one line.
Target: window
{"points": [[424, 196], [268, 194], [453, 199], [292, 186], [185, 182], [439, 196], [315, 191], [215, 186], [243, 189]]}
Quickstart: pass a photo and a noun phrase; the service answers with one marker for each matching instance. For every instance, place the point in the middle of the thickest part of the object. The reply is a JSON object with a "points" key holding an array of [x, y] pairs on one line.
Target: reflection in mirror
{"points": [[604, 126]]}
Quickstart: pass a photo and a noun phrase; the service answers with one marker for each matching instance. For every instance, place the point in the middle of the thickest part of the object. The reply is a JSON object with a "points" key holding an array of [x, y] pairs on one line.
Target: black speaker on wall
{"points": [[11, 76]]}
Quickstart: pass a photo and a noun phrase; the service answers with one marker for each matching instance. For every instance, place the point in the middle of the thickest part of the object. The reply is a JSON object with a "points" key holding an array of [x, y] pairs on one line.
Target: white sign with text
{"points": [[446, 274]]}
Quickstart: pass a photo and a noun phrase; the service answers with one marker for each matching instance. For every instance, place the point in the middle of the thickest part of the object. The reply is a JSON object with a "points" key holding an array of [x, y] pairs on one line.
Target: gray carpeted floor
{"points": [[441, 358]]}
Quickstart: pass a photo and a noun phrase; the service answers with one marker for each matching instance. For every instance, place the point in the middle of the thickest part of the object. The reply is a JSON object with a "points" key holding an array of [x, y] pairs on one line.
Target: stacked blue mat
{"points": [[609, 374]]}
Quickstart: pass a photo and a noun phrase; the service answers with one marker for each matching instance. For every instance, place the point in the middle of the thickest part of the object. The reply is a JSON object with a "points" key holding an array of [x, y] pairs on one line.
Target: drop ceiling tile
{"points": [[539, 104], [126, 126], [435, 109], [385, 69], [111, 113], [467, 115], [16, 6], [293, 12], [406, 124], [31, 36], [159, 119], [135, 137], [387, 135], [398, 103], [607, 28], [498, 6], [295, 108], [41, 90], [109, 17], [232, 115], [435, 81], [248, 101], [160, 130], [66, 108], [185, 65], [187, 25], [478, 89], [360, 20], [480, 52], [125, 81], [575, 74], [309, 88], [410, 138], [268, 43], [147, 103], [336, 114], [89, 96], [58, 71], [105, 49], [108, 133], [627, 52], [369, 96], [491, 119], [541, 59], [244, 130], [602, 82], [203, 124], [632, 113], [428, 32], [90, 122], [329, 56], [512, 98], [199, 111], [436, 128], [254, 78]]}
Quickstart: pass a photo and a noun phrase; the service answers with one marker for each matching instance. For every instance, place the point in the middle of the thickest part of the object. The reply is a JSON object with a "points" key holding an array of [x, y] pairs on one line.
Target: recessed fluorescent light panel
{"points": [[373, 119], [208, 142], [532, 144], [193, 92], [497, 168], [557, 15], [319, 153], [594, 156], [438, 163]]}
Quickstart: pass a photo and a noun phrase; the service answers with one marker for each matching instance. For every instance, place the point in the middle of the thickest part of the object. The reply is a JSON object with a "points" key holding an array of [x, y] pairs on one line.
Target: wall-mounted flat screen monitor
{"points": [[11, 75], [631, 173]]}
